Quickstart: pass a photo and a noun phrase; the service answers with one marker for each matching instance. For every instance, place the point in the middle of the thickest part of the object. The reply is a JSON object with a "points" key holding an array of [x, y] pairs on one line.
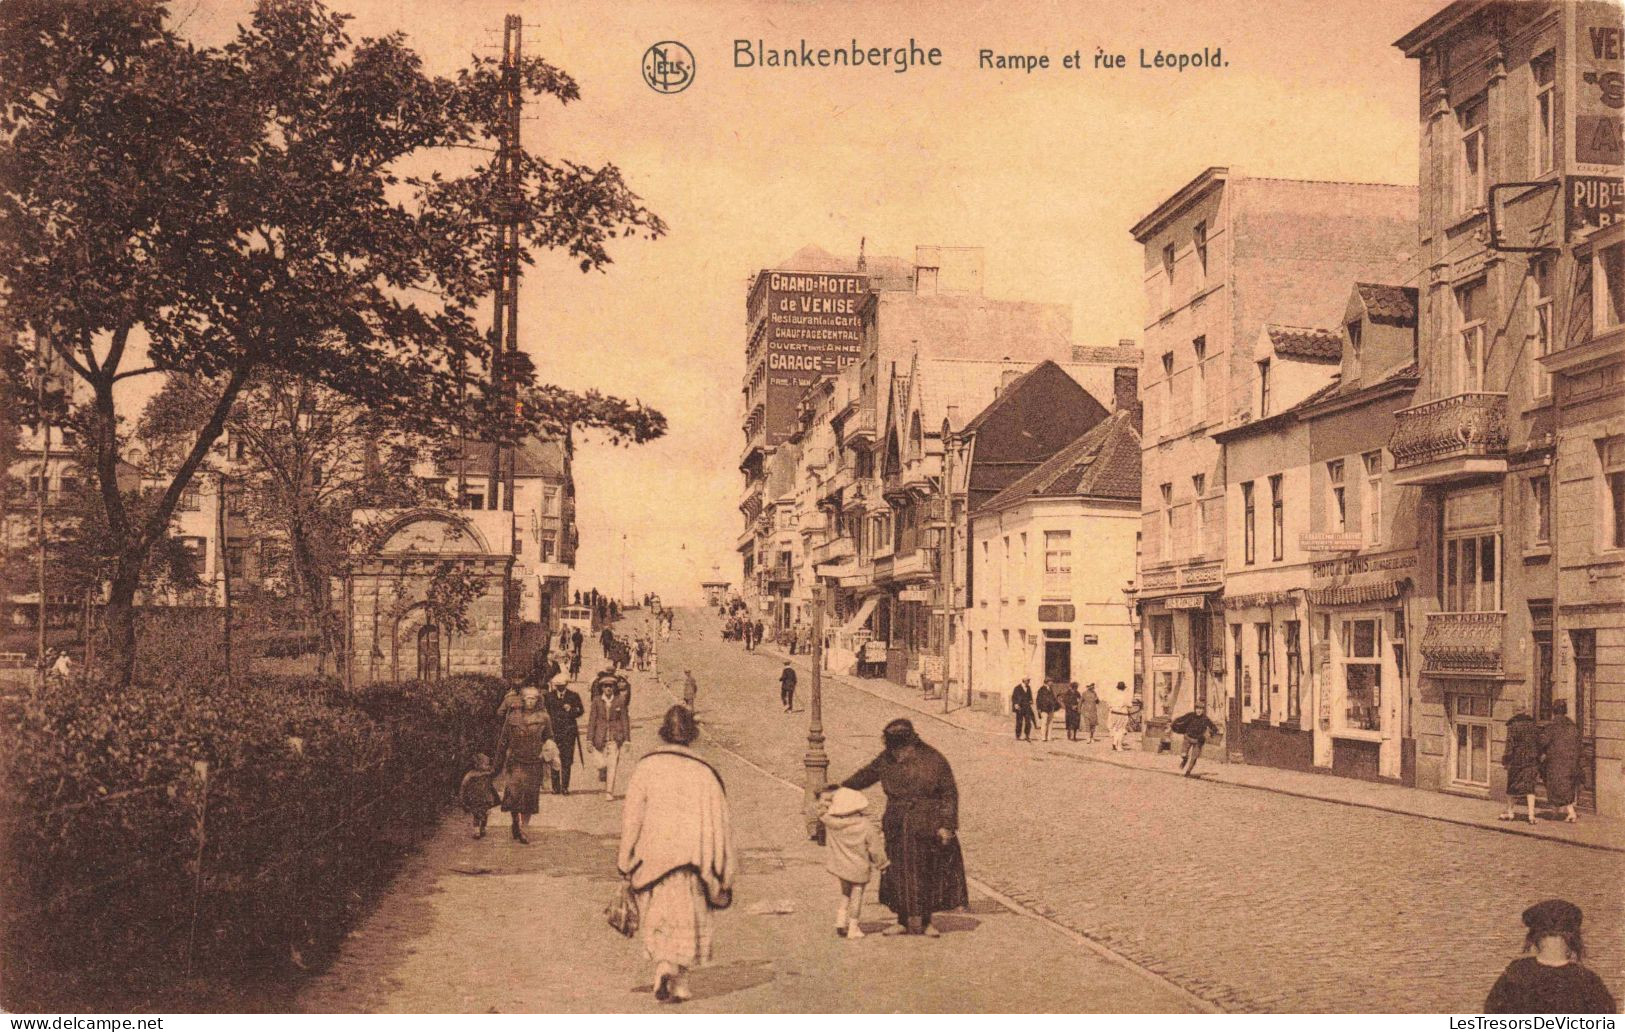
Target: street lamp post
{"points": [[816, 760], [946, 561]]}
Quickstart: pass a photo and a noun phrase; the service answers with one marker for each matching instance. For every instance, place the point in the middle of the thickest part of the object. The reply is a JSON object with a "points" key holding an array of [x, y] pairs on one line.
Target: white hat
{"points": [[844, 802]]}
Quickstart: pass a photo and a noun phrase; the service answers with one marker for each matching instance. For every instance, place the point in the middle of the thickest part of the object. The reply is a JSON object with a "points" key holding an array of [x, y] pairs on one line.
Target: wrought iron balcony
{"points": [[1464, 644], [1460, 436], [834, 551]]}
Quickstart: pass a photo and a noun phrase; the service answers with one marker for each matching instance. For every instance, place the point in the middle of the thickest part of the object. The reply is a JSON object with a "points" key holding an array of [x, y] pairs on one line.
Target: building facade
{"points": [[1521, 161], [1223, 256], [1054, 554]]}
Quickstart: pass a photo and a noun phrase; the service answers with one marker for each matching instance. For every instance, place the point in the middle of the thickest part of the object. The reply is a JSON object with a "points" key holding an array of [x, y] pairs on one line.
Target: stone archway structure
{"points": [[390, 625]]}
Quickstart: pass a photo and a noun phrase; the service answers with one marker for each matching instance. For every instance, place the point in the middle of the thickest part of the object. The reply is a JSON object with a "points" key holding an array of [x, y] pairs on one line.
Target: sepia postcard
{"points": [[782, 507]]}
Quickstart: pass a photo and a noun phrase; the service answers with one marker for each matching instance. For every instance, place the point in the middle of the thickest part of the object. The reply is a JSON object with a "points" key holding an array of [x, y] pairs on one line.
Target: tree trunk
{"points": [[312, 580], [120, 620]]}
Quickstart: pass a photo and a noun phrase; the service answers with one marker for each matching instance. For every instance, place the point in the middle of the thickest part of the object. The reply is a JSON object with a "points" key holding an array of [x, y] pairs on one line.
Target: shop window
{"points": [[1237, 680], [1266, 668], [1470, 744], [1362, 675], [1162, 635], [1292, 643]]}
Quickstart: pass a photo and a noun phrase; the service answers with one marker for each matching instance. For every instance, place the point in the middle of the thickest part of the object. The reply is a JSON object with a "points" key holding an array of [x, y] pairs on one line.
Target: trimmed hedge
{"points": [[311, 796]]}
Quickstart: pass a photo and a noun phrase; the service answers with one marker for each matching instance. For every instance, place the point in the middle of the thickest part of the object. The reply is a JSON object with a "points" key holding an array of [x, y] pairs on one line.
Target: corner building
{"points": [[1516, 442]]}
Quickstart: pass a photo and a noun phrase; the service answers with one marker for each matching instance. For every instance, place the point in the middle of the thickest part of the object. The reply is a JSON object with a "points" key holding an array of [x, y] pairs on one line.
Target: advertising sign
{"points": [[1597, 84], [1593, 202], [812, 331]]}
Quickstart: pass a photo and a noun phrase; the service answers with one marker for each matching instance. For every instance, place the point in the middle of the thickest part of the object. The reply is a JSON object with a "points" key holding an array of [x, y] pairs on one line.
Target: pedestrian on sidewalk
{"points": [[921, 824], [1560, 760], [1021, 704], [1090, 710], [677, 853], [1117, 715], [606, 638], [1072, 702], [1196, 727], [609, 725], [477, 794], [522, 754], [1521, 758], [787, 686], [575, 665], [564, 709], [1047, 705], [575, 644], [854, 851], [1552, 981], [691, 690], [756, 634]]}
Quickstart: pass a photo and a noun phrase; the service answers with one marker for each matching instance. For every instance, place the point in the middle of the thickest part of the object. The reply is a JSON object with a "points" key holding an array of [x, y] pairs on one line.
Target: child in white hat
{"points": [[854, 851]]}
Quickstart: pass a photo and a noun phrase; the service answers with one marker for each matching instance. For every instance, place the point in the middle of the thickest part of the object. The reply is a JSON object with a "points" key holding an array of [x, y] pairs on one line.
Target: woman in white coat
{"points": [[677, 852]]}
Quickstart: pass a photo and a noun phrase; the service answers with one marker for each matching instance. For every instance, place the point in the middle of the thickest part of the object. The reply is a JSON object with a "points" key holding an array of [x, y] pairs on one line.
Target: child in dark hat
{"points": [[1552, 981]]}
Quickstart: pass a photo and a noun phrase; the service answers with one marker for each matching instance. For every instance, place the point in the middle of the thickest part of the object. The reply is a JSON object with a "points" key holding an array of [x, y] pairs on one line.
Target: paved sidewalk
{"points": [[492, 926], [1591, 831]]}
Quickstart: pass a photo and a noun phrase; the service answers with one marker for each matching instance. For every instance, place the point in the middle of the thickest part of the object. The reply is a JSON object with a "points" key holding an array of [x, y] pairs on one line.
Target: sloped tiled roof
{"points": [[1388, 303], [1102, 463], [1306, 343], [1005, 394]]}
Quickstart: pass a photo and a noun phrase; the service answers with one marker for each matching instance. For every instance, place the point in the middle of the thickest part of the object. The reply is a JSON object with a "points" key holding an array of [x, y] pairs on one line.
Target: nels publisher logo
{"points": [[668, 67]]}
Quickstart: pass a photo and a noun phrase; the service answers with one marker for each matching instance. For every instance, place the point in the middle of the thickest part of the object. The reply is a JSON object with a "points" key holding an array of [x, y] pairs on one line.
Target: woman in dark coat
{"points": [[1072, 701], [522, 753], [1560, 760], [1522, 762], [921, 825], [1551, 979]]}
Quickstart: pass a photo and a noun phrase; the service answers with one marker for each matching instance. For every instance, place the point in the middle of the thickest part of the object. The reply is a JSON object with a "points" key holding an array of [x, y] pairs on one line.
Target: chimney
{"points": [[1126, 393], [1008, 377]]}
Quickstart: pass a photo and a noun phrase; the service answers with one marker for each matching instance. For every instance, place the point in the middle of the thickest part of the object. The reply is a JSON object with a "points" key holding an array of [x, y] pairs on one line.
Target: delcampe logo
{"points": [[668, 67]]}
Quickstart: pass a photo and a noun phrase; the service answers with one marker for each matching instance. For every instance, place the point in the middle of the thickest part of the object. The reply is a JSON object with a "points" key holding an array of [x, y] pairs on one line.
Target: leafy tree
{"points": [[246, 210]]}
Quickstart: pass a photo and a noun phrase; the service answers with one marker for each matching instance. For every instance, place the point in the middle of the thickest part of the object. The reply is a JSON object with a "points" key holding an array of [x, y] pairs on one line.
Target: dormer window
{"points": [[1354, 349]]}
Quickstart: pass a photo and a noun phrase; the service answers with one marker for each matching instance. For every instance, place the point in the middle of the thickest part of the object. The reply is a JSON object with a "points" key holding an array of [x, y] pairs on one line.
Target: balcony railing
{"points": [[1464, 644], [834, 551], [1465, 426]]}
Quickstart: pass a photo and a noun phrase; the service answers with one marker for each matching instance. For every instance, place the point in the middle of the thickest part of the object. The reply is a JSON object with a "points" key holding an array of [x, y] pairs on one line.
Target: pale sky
{"points": [[1047, 171]]}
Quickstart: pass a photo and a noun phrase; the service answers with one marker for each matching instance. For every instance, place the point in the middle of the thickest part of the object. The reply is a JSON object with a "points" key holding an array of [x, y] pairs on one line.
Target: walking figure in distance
{"points": [[1560, 760], [1021, 702], [854, 851], [1552, 980], [1196, 727], [787, 686]]}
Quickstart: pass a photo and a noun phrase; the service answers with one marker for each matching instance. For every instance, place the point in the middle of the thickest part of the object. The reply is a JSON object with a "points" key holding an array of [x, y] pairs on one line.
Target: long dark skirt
{"points": [[522, 794], [925, 876]]}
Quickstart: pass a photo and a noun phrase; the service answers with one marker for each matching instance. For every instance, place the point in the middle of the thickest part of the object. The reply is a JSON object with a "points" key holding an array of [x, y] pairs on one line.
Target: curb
{"points": [[1507, 828]]}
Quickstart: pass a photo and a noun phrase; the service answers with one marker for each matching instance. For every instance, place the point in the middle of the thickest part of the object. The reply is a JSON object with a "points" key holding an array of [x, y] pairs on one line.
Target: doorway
{"points": [[1058, 656], [1585, 712], [429, 652]]}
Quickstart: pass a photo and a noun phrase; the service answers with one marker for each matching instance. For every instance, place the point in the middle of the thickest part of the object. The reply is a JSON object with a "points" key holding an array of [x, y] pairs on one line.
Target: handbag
{"points": [[622, 912]]}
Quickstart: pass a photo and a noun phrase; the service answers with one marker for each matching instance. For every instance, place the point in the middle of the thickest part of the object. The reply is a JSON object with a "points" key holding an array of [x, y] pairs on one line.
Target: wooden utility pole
{"points": [[504, 336], [946, 564]]}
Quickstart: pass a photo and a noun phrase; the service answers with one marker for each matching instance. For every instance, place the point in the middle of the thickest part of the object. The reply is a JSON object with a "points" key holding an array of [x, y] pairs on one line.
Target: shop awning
{"points": [[1359, 594], [860, 617]]}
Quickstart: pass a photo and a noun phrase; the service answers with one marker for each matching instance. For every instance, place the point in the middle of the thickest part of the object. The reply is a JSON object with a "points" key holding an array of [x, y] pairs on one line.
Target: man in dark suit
{"points": [[1021, 702], [564, 708]]}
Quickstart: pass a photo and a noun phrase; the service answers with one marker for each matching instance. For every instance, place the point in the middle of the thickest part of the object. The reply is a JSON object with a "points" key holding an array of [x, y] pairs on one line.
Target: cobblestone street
{"points": [[1249, 900], [1253, 900]]}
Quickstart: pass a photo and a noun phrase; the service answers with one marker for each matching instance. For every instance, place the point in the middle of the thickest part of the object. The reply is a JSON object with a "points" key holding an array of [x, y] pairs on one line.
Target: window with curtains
{"points": [[1292, 646], [1362, 675], [1543, 128], [1266, 667], [1471, 359]]}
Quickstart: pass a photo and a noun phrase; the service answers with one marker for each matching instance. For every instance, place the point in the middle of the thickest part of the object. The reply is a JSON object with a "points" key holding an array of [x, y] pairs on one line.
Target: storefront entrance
{"points": [[1057, 656]]}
